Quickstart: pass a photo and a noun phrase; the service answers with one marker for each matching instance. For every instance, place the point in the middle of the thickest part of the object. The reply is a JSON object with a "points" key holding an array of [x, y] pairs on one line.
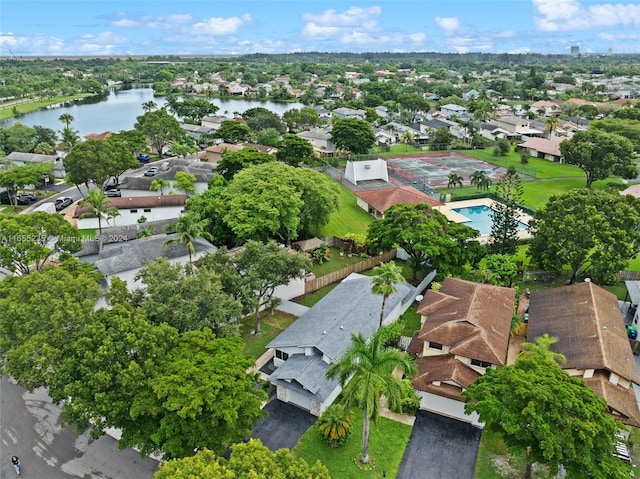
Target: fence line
{"points": [[628, 275], [317, 283]]}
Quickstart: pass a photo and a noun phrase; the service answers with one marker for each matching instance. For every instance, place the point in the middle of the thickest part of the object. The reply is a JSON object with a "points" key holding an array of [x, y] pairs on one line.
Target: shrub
{"points": [[335, 425], [411, 402], [524, 157]]}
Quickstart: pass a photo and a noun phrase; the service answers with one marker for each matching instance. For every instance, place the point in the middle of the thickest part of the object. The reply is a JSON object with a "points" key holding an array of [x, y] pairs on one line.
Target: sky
{"points": [[216, 27]]}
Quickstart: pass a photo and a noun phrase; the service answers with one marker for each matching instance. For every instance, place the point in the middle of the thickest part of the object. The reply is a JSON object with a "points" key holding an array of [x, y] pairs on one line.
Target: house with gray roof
{"points": [[18, 158], [126, 259], [304, 351]]}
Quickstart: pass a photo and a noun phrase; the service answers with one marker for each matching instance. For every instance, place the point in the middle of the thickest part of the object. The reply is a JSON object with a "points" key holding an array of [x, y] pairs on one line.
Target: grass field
{"points": [[350, 218], [271, 326], [34, 105], [335, 263], [543, 168], [387, 442]]}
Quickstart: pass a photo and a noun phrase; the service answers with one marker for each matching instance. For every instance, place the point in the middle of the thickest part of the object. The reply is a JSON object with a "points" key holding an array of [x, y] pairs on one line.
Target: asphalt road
{"points": [[440, 448], [30, 429]]}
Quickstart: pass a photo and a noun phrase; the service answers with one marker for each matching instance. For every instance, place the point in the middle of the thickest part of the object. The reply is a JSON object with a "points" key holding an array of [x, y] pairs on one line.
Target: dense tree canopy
{"points": [[234, 161], [294, 151], [352, 134], [28, 241], [17, 178], [587, 233], [234, 131], [551, 417], [426, 235], [160, 129], [98, 160], [600, 154], [210, 206], [504, 214], [194, 109]]}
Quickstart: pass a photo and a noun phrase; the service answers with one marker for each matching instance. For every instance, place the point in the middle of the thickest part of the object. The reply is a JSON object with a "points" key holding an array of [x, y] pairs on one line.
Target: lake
{"points": [[119, 109]]}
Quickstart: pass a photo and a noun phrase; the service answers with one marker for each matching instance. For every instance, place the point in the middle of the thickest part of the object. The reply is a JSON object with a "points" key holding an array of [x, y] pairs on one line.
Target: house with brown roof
{"points": [[465, 330], [592, 336], [377, 201], [548, 149], [132, 208]]}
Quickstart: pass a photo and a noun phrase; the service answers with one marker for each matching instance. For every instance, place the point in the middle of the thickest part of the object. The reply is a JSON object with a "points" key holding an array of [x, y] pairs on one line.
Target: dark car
{"points": [[62, 203], [26, 198], [143, 158]]}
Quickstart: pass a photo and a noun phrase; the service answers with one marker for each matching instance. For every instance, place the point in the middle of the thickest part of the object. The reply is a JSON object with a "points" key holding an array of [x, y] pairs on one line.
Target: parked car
{"points": [[153, 171], [26, 198], [143, 158], [113, 192], [62, 203]]}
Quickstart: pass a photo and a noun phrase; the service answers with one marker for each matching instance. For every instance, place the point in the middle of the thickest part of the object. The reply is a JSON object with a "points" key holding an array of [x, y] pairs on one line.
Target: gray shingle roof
{"points": [[134, 254], [306, 374], [349, 308]]}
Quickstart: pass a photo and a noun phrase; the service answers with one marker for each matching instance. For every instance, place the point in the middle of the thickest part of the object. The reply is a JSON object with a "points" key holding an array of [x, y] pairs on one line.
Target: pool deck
{"points": [[448, 211]]}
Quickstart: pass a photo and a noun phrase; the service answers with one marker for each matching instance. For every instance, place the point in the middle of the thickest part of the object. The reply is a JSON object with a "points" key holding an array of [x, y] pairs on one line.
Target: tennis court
{"points": [[434, 169]]}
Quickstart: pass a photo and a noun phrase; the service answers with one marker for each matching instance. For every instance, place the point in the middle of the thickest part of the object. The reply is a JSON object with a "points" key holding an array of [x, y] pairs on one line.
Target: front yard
{"points": [[271, 326]]}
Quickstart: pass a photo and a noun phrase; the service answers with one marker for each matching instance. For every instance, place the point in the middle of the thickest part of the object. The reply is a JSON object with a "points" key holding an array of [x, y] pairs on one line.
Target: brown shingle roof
{"points": [[384, 198], [588, 323], [543, 145], [98, 136], [473, 319], [622, 401], [447, 370]]}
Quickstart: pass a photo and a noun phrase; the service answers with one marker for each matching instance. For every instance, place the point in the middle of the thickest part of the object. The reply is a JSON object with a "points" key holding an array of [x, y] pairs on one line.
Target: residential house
{"points": [[384, 137], [592, 337], [472, 94], [131, 209], [516, 126], [450, 109], [125, 260], [543, 148], [304, 351], [213, 122], [344, 112], [196, 131], [548, 108], [140, 185], [320, 139], [377, 201], [465, 330], [19, 159]]}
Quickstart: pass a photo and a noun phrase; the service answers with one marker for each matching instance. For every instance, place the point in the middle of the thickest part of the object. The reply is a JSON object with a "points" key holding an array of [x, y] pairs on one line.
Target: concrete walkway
{"points": [[290, 307]]}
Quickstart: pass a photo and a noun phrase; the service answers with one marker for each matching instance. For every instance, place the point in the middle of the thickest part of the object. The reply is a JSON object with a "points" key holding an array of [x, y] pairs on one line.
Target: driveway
{"points": [[283, 426], [440, 448]]}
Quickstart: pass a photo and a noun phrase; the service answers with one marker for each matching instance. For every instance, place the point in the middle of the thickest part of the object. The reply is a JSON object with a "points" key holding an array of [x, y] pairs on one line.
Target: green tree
{"points": [[425, 234], [158, 184], [479, 179], [185, 182], [259, 119], [352, 135], [521, 400], [42, 313], [295, 151], [98, 205], [440, 139], [268, 137], [551, 124], [66, 119], [304, 118], [232, 162], [204, 464], [234, 131], [365, 372], [186, 301], [17, 178], [592, 233], [630, 129], [188, 229], [148, 106], [28, 241], [384, 280], [160, 128], [335, 424], [504, 213], [454, 179], [18, 137], [70, 137], [499, 269], [600, 154], [194, 109], [210, 206]]}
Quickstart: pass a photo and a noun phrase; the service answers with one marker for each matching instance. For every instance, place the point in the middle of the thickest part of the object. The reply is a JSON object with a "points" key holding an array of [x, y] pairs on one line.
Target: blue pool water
{"points": [[480, 218]]}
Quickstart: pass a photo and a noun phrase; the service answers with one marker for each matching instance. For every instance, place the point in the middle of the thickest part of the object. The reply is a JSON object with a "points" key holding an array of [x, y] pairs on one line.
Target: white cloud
{"points": [[449, 25], [103, 43], [125, 23], [220, 26], [570, 15], [353, 17]]}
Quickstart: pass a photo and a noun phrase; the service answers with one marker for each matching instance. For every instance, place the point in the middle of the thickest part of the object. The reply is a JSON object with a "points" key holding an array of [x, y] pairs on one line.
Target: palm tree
{"points": [[67, 119], [551, 124], [477, 178], [148, 106], [189, 228], [366, 372], [158, 184], [98, 206], [454, 179], [385, 277]]}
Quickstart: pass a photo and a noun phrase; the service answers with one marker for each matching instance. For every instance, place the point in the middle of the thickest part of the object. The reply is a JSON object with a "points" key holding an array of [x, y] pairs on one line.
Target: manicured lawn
{"points": [[271, 326], [312, 298], [411, 321], [386, 446], [335, 263], [89, 233], [350, 218], [542, 168], [37, 104]]}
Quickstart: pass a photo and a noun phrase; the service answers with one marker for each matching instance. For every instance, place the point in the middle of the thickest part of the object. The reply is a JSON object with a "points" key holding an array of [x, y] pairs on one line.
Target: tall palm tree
{"points": [[67, 119], [551, 125], [366, 372], [158, 184], [189, 228], [98, 206], [477, 178], [385, 277], [454, 179], [148, 106]]}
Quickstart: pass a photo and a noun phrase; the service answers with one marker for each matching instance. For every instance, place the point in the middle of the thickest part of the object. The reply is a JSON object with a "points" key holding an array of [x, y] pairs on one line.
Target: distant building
{"points": [[575, 50]]}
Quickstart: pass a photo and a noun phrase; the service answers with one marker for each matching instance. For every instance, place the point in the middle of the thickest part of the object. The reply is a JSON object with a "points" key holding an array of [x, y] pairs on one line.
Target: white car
{"points": [[153, 171]]}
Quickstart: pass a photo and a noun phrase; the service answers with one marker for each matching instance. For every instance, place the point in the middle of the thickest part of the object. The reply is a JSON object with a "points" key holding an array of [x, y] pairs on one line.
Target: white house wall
{"points": [[366, 170], [293, 289], [362, 204], [447, 407], [127, 217]]}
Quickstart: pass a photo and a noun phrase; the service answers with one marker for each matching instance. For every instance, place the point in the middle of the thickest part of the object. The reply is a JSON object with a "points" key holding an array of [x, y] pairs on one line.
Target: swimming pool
{"points": [[479, 218]]}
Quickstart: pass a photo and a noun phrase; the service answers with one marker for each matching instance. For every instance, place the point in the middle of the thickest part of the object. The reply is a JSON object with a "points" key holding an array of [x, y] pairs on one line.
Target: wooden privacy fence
{"points": [[315, 284]]}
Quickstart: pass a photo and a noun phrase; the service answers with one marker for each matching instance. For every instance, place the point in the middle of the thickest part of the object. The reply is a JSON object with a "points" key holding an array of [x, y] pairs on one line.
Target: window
{"points": [[133, 211], [437, 346], [482, 364], [282, 355], [147, 210]]}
